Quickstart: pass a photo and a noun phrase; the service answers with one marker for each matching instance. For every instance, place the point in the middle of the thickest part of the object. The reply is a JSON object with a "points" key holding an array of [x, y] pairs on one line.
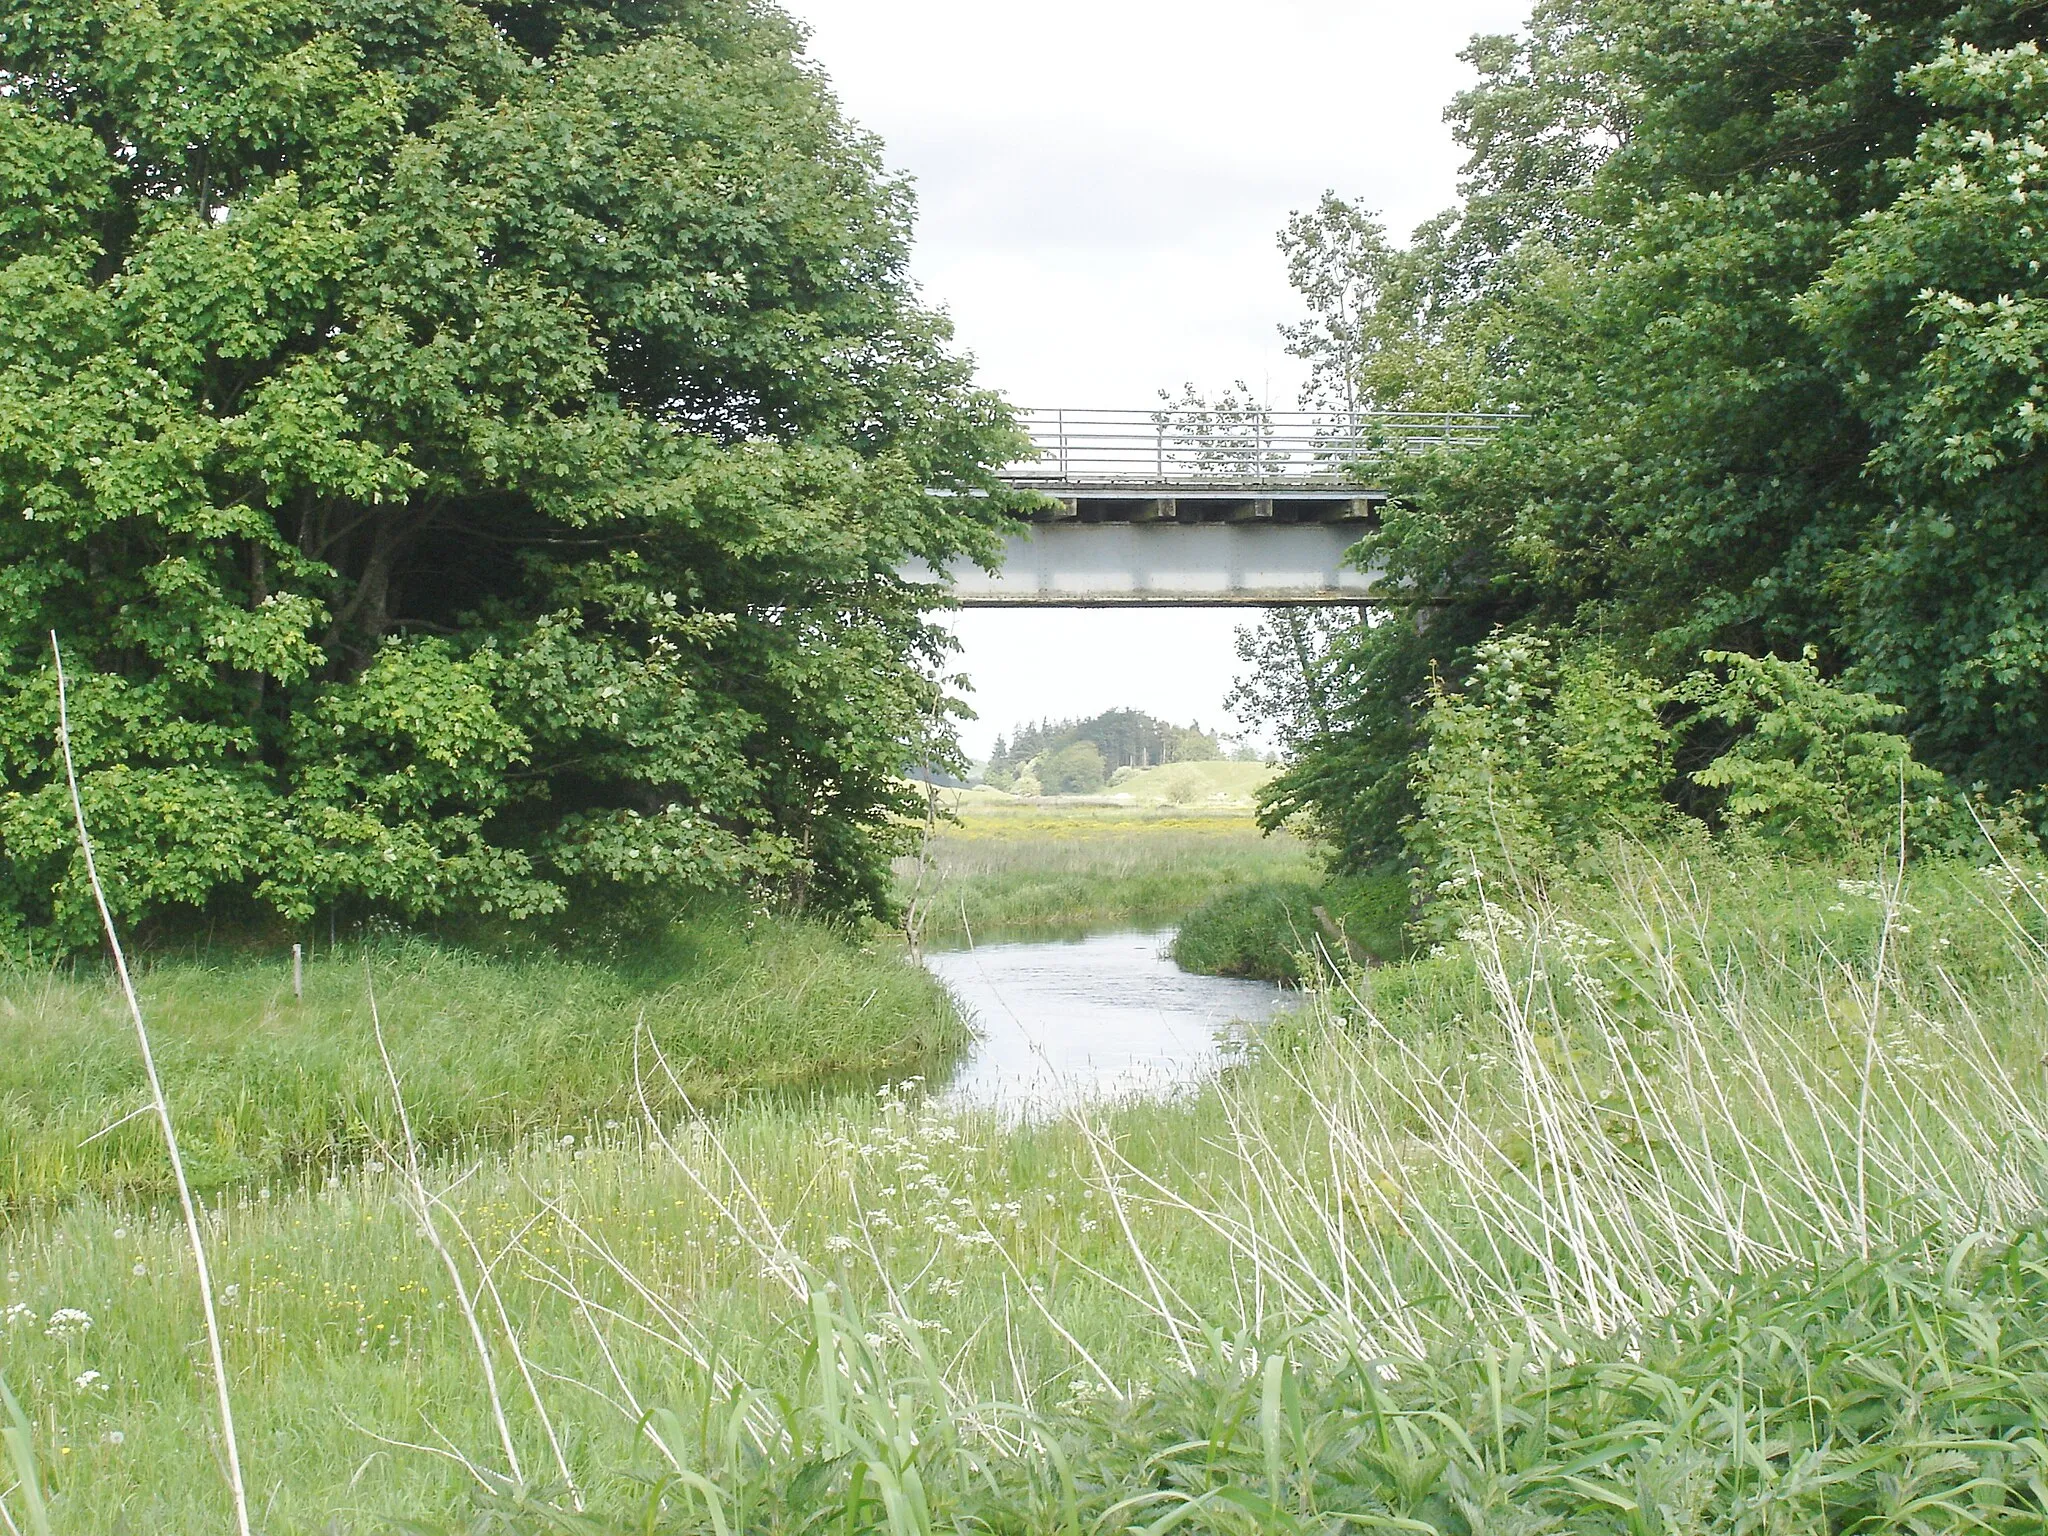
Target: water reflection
{"points": [[1101, 1017]]}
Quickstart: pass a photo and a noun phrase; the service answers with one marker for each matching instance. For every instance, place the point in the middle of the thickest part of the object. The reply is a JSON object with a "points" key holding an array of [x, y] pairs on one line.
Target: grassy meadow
{"points": [[1029, 868], [269, 1089], [1698, 1197]]}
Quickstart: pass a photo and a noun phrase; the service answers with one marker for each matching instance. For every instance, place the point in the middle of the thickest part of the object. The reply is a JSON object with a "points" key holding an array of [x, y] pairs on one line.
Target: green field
{"points": [[1688, 1198], [1018, 868], [1208, 785]]}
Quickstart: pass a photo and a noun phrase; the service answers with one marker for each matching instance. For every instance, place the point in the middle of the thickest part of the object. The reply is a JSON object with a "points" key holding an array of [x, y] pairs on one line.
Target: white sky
{"points": [[1100, 185]]}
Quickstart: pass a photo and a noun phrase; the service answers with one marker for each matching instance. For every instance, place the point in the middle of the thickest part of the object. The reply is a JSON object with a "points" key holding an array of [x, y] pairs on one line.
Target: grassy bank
{"points": [[1006, 870], [1685, 1202], [268, 1087], [1290, 931]]}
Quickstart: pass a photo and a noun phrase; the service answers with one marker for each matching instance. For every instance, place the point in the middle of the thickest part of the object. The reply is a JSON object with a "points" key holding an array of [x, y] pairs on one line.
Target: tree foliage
{"points": [[1760, 290], [1550, 752], [1120, 738], [1539, 758], [465, 449], [1815, 768], [1075, 769]]}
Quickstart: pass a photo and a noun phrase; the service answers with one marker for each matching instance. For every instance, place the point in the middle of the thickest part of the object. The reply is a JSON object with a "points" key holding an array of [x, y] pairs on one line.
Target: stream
{"points": [[1105, 1017]]}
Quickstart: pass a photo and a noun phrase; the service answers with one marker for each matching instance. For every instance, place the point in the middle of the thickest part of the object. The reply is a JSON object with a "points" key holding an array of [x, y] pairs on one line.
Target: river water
{"points": [[1105, 1017]]}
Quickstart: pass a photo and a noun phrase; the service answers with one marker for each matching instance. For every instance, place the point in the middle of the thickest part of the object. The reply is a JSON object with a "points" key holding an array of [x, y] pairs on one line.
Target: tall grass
{"points": [[1281, 930], [1695, 1200], [231, 1453], [269, 1088]]}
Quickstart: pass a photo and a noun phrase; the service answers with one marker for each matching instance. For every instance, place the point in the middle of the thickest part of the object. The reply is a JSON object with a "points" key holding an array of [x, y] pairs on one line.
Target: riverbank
{"points": [[496, 1047], [1487, 1206], [1011, 870], [1294, 931], [270, 1089]]}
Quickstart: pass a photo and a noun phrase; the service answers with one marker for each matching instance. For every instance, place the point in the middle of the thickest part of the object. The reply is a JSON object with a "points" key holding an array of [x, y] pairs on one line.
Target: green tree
{"points": [[1934, 313], [465, 451], [1124, 738], [1075, 769], [1759, 291]]}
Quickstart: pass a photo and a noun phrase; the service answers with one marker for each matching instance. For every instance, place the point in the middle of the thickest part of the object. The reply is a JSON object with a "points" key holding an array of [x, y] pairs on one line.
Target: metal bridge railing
{"points": [[1174, 444]]}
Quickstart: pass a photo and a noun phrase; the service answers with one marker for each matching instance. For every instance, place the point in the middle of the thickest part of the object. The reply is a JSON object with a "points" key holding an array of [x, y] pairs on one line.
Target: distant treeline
{"points": [[1076, 757]]}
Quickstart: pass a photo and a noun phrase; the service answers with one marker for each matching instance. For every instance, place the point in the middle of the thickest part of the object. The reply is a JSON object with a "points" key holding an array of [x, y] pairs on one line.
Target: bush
{"points": [[1540, 757], [1814, 772], [1263, 931]]}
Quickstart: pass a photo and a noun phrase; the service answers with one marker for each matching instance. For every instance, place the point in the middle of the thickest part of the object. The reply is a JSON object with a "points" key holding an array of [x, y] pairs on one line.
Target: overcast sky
{"points": [[1099, 185]]}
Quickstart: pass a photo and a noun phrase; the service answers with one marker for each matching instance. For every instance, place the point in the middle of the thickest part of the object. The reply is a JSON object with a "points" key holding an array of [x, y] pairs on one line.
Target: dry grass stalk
{"points": [[223, 1403], [424, 1204]]}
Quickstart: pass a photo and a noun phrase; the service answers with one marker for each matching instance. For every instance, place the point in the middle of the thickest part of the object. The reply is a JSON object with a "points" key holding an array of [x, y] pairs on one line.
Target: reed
{"points": [[1279, 930]]}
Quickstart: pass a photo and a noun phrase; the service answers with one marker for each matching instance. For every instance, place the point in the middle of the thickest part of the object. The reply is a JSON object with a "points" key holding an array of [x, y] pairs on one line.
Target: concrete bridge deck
{"points": [[1200, 507]]}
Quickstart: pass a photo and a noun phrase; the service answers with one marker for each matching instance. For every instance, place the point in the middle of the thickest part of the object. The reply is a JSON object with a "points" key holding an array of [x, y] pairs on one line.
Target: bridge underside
{"points": [[1075, 564], [1202, 501]]}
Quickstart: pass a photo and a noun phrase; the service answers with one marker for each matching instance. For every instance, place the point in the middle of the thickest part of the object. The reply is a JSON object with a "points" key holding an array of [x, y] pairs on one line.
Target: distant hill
{"points": [[1069, 757], [1209, 783]]}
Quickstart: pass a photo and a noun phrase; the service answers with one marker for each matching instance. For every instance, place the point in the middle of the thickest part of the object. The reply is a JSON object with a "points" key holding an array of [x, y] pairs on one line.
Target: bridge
{"points": [[1200, 507]]}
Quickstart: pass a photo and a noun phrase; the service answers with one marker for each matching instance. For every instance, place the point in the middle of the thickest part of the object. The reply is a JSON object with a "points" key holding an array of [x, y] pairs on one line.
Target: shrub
{"points": [[1265, 930], [1540, 757], [1814, 770], [1543, 757]]}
